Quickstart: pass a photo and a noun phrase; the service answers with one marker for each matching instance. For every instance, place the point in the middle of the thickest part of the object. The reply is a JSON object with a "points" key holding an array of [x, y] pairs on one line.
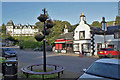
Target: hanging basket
{"points": [[39, 37], [42, 18], [47, 31], [50, 23]]}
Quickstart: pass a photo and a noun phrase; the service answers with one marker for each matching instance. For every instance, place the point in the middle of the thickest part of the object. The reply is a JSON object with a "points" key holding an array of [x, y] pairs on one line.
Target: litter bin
{"points": [[9, 69]]}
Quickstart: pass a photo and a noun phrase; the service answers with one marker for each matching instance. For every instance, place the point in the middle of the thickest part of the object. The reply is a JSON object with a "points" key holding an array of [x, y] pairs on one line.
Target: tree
{"points": [[96, 24], [3, 28], [74, 26], [117, 20]]}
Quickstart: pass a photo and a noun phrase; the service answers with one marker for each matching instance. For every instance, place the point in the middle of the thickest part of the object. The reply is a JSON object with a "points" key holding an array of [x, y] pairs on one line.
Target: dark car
{"points": [[8, 52], [37, 49], [109, 52]]}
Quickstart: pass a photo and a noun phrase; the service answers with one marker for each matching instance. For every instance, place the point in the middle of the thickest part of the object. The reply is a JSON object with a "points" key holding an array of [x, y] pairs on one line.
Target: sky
{"points": [[60, 0], [27, 12]]}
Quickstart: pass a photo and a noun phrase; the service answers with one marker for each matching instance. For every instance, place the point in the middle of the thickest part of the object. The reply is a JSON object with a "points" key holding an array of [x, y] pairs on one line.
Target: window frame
{"points": [[116, 35], [88, 47], [83, 32]]}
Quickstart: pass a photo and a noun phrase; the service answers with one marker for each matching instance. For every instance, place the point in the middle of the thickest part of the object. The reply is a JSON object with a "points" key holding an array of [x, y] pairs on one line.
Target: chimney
{"points": [[82, 18], [114, 23], [104, 24], [65, 29]]}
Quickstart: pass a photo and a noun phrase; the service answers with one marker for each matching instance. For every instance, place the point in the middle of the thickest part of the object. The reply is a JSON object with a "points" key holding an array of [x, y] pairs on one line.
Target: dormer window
{"points": [[117, 35], [82, 35]]}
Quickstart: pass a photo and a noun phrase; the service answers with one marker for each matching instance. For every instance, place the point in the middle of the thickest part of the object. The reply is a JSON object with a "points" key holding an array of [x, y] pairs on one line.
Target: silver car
{"points": [[102, 69]]}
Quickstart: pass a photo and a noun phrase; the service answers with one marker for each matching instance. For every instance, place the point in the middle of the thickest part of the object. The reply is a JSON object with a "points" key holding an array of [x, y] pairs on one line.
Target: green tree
{"points": [[57, 30], [96, 24], [3, 28], [74, 26], [117, 20]]}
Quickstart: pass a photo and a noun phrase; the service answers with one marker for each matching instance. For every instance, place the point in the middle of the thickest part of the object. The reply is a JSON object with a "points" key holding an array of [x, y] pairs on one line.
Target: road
{"points": [[73, 64]]}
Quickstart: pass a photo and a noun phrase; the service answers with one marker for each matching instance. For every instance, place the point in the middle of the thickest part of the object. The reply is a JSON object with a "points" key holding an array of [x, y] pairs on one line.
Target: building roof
{"points": [[10, 23], [110, 29], [67, 36]]}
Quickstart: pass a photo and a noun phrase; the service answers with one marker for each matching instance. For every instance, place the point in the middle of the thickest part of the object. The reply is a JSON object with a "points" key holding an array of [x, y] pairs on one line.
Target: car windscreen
{"points": [[105, 70], [109, 49], [8, 49]]}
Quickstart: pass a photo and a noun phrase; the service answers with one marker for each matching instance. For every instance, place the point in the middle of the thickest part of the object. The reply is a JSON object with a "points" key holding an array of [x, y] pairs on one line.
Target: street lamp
{"points": [[40, 37], [104, 28]]}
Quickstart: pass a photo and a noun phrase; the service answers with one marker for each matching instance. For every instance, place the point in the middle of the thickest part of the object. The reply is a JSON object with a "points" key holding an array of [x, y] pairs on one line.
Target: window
{"points": [[86, 47], [117, 35], [110, 46], [105, 70], [76, 47], [99, 46], [82, 35]]}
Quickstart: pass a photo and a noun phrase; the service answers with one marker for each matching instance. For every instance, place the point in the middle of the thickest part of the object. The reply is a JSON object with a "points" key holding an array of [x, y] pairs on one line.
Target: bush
{"points": [[31, 44]]}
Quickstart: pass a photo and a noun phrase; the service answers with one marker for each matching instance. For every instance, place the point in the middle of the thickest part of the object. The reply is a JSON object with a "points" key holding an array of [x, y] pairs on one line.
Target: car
{"points": [[8, 52], [108, 52], [103, 69], [37, 49]]}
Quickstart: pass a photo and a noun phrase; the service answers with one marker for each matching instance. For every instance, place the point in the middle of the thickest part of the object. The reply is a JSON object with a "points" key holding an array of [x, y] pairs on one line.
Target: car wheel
{"points": [[110, 55]]}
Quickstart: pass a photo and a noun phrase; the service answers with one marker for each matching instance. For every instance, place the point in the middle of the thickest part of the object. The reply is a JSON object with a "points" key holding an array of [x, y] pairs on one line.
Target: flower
{"points": [[39, 36], [50, 23], [42, 17]]}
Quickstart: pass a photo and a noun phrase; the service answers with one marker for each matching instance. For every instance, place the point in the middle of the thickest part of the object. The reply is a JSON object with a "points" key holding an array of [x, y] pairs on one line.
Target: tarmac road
{"points": [[72, 63]]}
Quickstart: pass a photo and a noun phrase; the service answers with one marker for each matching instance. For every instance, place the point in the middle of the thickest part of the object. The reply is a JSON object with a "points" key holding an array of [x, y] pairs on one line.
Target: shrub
{"points": [[30, 44]]}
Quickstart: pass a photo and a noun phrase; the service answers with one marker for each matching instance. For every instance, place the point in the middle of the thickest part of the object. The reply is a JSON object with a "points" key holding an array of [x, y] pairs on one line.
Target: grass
{"points": [[53, 76]]}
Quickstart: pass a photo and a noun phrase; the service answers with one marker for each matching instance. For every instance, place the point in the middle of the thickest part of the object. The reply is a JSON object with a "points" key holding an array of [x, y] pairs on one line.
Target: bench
{"points": [[58, 69]]}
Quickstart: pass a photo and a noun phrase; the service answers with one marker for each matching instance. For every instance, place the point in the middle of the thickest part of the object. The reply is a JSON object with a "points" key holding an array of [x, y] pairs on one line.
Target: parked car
{"points": [[8, 52], [103, 69], [37, 49], [109, 52]]}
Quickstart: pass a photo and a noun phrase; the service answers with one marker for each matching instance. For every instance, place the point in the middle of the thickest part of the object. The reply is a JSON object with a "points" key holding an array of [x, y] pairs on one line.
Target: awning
{"points": [[65, 42]]}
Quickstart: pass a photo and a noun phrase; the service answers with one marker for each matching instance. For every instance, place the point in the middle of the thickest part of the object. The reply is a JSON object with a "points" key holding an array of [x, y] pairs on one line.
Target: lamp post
{"points": [[46, 31], [43, 18], [44, 51], [104, 28]]}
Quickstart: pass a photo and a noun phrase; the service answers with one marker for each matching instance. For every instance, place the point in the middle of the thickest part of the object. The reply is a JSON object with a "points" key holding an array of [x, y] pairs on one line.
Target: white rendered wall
{"points": [[82, 27], [98, 39]]}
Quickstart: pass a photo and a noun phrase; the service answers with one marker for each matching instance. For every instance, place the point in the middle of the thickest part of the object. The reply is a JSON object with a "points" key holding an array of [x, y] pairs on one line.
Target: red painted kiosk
{"points": [[64, 44]]}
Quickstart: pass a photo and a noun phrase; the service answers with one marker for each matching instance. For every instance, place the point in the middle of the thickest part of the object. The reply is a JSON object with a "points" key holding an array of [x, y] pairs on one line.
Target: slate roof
{"points": [[110, 29], [68, 35], [10, 23], [113, 29]]}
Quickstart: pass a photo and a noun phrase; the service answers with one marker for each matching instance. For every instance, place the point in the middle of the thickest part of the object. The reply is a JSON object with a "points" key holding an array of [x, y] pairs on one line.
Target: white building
{"points": [[88, 39], [18, 30]]}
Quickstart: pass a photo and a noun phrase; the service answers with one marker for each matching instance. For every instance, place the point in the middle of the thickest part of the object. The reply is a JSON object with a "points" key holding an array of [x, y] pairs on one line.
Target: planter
{"points": [[42, 18], [50, 23], [39, 37], [46, 31]]}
